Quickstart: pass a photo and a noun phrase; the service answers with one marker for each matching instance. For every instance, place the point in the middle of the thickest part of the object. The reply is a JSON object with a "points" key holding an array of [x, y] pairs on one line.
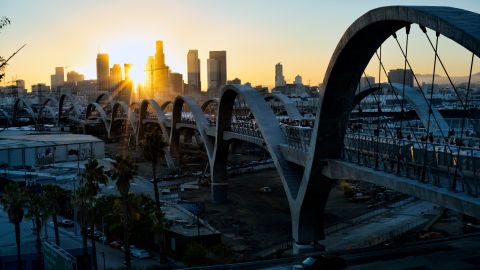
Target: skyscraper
{"points": [[396, 76], [149, 69], [279, 79], [367, 82], [193, 70], [298, 80], [73, 77], [103, 72], [216, 72], [160, 74], [115, 76], [57, 79], [176, 83], [126, 71]]}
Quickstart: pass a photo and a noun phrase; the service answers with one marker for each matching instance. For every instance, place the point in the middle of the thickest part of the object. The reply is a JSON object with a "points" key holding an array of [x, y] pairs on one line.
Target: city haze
{"points": [[302, 35]]}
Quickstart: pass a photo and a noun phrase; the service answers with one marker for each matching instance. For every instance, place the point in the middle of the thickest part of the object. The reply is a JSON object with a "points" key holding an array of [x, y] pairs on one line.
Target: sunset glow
{"points": [[254, 40]]}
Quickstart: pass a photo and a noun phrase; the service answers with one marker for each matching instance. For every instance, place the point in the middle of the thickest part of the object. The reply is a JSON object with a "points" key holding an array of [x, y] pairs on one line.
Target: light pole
{"points": [[103, 227], [75, 152]]}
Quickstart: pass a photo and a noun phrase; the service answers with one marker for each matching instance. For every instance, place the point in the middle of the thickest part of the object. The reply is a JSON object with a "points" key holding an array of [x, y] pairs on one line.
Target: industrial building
{"points": [[22, 149]]}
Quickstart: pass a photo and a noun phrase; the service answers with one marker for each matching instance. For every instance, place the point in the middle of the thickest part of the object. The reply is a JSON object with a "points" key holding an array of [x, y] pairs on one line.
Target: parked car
{"points": [[140, 253], [97, 234], [66, 223], [115, 244], [103, 239]]}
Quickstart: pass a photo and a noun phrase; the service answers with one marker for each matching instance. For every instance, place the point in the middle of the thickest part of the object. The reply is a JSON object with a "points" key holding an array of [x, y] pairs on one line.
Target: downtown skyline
{"points": [[301, 36]]}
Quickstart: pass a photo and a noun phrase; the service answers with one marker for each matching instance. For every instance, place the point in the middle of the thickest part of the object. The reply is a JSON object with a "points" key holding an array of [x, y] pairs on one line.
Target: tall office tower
{"points": [[20, 84], [126, 71], [367, 82], [396, 76], [279, 79], [57, 79], [235, 81], [115, 76], [160, 74], [41, 91], [298, 80], [74, 77], [176, 83], [193, 69], [216, 72], [103, 72], [149, 69]]}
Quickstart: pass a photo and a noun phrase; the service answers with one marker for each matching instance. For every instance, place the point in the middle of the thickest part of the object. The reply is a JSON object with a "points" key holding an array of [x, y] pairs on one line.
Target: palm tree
{"points": [[92, 176], [158, 224], [124, 169], [55, 196], [153, 150], [83, 202], [37, 210], [13, 201]]}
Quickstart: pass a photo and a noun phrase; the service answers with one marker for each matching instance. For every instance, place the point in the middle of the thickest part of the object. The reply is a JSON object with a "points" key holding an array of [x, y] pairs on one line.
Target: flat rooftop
{"points": [[9, 140], [185, 223]]}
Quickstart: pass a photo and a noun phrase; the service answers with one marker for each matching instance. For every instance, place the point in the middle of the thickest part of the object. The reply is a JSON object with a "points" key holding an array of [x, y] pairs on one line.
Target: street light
{"points": [[103, 227]]}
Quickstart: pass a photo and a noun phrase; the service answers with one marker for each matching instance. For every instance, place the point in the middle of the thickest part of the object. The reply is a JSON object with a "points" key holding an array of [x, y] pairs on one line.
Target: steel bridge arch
{"points": [[7, 116], [358, 45], [200, 122], [165, 104], [349, 60], [107, 95], [132, 118], [103, 115], [270, 130], [290, 107], [415, 99], [28, 108], [48, 108], [208, 102], [161, 118], [76, 106]]}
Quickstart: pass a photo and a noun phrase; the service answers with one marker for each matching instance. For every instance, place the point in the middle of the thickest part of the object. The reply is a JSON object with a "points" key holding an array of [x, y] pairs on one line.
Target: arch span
{"points": [[102, 114], [161, 118], [107, 96], [208, 102], [290, 107], [200, 122], [349, 60], [7, 116], [165, 104], [27, 107], [416, 100], [271, 132], [76, 106], [132, 119], [358, 45]]}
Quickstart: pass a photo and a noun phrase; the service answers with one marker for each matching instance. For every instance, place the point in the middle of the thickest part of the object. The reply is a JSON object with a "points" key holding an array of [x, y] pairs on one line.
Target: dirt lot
{"points": [[252, 221]]}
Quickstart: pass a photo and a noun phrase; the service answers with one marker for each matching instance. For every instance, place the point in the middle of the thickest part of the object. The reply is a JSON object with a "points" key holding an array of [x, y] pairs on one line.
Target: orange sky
{"points": [[256, 35]]}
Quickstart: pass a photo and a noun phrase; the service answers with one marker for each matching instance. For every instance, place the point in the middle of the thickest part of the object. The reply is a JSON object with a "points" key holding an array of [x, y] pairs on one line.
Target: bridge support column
{"points": [[308, 215], [219, 192], [187, 136]]}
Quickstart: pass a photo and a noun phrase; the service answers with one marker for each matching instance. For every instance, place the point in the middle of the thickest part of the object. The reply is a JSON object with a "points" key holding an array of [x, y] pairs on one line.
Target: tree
{"points": [[37, 210], [4, 21], [158, 224], [153, 151], [92, 176], [13, 201], [55, 196], [124, 170], [83, 202]]}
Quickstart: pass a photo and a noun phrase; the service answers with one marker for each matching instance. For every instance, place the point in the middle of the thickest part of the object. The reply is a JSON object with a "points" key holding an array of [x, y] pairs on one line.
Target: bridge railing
{"points": [[453, 167]]}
